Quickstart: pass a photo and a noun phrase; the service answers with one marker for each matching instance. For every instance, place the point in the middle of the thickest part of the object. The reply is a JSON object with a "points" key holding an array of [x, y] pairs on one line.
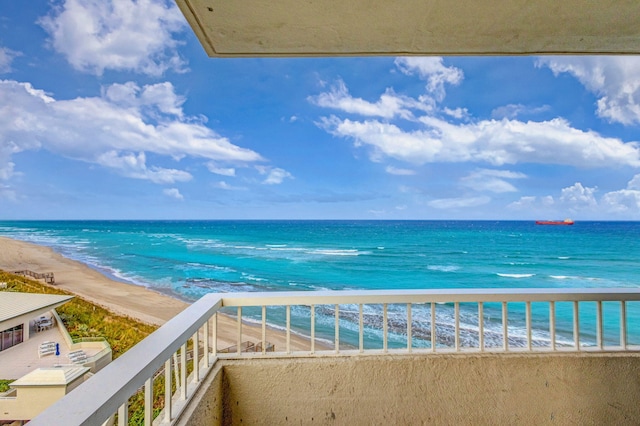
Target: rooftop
{"points": [[13, 304], [55, 376]]}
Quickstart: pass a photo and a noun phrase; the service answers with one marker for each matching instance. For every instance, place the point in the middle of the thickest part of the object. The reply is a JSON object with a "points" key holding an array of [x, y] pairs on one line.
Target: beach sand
{"points": [[121, 298]]}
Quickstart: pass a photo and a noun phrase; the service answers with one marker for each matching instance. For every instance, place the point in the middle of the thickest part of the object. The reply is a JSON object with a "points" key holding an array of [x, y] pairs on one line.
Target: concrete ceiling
{"points": [[257, 28]]}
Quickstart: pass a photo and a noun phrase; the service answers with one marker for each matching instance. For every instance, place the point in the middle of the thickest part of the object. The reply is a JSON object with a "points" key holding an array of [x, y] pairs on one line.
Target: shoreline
{"points": [[135, 301]]}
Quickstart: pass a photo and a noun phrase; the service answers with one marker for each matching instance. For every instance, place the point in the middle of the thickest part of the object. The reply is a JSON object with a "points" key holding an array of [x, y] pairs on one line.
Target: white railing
{"points": [[336, 324]]}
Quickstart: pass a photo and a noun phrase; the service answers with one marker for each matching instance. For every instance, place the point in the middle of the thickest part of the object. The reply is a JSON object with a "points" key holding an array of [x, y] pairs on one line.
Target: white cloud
{"points": [[398, 171], [173, 193], [634, 183], [6, 58], [579, 196], [223, 171], [495, 142], [389, 105], [433, 70], [458, 203], [458, 113], [615, 79], [122, 35], [275, 176], [224, 185], [114, 130], [624, 200], [135, 166], [491, 180]]}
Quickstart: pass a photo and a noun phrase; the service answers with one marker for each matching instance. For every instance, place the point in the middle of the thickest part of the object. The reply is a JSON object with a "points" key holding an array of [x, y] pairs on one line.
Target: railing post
{"points": [[433, 327], [264, 329], [505, 327], [576, 326], [385, 328], [456, 314], [215, 334], [123, 414], [360, 328], [623, 324], [528, 320], [337, 329], [599, 325], [313, 328], [183, 372], [288, 309], [481, 326], [239, 331], [167, 391], [409, 330], [148, 402], [552, 324], [206, 343], [196, 358]]}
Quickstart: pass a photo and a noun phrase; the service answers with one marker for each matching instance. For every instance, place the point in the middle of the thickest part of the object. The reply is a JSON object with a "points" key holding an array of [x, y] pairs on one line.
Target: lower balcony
{"points": [[403, 357]]}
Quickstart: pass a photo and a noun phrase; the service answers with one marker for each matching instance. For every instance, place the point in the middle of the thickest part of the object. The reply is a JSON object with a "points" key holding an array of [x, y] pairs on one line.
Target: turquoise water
{"points": [[190, 258]]}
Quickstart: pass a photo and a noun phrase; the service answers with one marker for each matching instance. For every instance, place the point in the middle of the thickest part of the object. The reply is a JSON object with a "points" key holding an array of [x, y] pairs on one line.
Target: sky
{"points": [[110, 109]]}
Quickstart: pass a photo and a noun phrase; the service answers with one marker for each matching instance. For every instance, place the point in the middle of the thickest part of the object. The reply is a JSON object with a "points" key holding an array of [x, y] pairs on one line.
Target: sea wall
{"points": [[557, 388]]}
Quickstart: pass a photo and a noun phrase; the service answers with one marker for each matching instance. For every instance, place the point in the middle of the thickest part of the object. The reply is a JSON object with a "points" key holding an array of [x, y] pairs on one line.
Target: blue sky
{"points": [[110, 109]]}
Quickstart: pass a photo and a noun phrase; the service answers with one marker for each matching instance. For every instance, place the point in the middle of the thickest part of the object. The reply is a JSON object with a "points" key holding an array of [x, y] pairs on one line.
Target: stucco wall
{"points": [[29, 402], [443, 389]]}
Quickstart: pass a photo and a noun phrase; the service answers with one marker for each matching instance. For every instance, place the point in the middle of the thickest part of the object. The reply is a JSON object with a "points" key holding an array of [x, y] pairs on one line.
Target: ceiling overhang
{"points": [[263, 28]]}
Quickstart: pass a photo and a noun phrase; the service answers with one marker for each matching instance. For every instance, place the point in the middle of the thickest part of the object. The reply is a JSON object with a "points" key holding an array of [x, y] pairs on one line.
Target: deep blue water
{"points": [[190, 258]]}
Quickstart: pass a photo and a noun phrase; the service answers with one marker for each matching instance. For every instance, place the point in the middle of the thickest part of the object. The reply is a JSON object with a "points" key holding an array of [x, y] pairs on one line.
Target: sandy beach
{"points": [[126, 299]]}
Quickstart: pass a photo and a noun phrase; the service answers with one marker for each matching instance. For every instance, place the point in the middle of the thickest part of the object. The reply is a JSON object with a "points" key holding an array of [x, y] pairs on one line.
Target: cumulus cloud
{"points": [[578, 196], [625, 200], [173, 193], [6, 58], [116, 130], [614, 79], [275, 176], [122, 35], [458, 203], [491, 180], [575, 199], [496, 142]]}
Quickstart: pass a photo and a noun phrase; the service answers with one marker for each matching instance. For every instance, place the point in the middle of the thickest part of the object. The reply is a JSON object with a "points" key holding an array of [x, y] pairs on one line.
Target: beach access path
{"points": [[130, 300]]}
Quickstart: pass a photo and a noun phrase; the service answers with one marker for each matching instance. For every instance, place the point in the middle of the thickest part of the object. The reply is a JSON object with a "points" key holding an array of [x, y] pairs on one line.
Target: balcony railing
{"points": [[348, 323]]}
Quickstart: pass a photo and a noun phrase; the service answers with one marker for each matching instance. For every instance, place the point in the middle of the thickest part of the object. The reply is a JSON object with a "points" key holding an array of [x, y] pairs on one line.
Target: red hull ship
{"points": [[555, 222]]}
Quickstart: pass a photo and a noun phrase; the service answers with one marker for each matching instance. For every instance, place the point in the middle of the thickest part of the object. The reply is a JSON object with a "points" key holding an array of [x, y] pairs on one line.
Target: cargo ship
{"points": [[554, 222]]}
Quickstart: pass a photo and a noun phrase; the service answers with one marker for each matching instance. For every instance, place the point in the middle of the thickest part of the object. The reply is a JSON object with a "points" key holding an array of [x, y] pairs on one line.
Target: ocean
{"points": [[188, 259]]}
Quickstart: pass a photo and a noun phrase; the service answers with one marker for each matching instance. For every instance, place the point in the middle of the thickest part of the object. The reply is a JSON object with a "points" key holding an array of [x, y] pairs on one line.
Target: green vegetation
{"points": [[4, 385]]}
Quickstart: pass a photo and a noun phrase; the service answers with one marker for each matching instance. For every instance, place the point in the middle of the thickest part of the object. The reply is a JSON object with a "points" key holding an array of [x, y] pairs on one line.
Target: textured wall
{"points": [[442, 389]]}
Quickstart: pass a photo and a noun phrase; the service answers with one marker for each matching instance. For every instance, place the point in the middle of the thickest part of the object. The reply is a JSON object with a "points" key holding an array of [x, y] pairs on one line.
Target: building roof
{"points": [[14, 304], [413, 27], [55, 376]]}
